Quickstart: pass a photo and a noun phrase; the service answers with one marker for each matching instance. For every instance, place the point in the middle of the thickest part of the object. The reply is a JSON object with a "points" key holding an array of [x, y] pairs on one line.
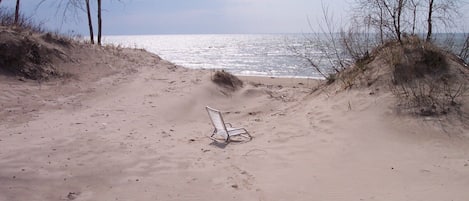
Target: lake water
{"points": [[257, 55], [251, 55]]}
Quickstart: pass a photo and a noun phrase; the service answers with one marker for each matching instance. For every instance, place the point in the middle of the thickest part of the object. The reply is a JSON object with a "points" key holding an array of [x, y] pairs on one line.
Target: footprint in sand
{"points": [[73, 195], [241, 179], [285, 136], [320, 122]]}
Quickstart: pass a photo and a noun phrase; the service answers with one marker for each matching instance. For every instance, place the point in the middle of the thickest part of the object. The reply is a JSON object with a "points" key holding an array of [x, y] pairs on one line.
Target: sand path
{"points": [[142, 135]]}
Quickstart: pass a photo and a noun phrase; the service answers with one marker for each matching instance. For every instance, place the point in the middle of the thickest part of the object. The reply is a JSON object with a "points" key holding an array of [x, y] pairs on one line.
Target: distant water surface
{"points": [[257, 55]]}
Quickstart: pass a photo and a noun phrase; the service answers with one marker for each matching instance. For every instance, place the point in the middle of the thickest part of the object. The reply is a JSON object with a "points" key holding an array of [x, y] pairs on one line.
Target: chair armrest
{"points": [[228, 124]]}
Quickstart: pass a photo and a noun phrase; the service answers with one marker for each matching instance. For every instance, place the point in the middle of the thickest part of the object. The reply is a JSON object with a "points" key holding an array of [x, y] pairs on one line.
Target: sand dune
{"points": [[133, 127]]}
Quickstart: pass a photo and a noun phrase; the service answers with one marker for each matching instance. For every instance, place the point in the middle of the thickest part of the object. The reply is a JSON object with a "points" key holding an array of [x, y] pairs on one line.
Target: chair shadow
{"points": [[220, 145]]}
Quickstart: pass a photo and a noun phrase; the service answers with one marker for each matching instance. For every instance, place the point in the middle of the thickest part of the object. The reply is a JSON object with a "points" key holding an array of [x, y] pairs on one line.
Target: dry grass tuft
{"points": [[30, 55], [227, 80], [425, 79]]}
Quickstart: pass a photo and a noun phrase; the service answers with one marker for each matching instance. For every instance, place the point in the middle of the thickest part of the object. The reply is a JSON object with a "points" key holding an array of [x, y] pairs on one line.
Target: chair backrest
{"points": [[217, 120]]}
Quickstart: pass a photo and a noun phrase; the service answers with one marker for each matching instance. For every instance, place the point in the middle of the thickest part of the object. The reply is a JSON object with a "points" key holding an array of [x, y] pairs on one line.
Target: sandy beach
{"points": [[128, 125]]}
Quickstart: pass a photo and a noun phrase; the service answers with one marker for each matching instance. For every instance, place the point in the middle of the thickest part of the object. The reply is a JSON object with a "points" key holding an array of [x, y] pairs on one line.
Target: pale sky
{"points": [[191, 16], [188, 16]]}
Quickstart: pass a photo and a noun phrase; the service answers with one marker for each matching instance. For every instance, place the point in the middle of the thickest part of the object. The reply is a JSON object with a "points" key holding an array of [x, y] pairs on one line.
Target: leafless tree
{"points": [[70, 8], [90, 21], [358, 40], [17, 12], [414, 6], [323, 49], [331, 47], [99, 22], [381, 21], [429, 19], [442, 11], [383, 15], [395, 10], [396, 17]]}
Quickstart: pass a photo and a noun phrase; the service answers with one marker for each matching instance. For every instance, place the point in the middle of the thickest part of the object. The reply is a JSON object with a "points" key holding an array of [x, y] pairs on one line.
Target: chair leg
{"points": [[247, 135]]}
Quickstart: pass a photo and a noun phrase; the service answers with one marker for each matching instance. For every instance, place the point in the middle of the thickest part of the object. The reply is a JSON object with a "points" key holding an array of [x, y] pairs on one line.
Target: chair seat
{"points": [[223, 129], [236, 131]]}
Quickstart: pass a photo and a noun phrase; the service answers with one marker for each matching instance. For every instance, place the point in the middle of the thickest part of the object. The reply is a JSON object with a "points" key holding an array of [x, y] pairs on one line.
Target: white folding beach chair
{"points": [[222, 129]]}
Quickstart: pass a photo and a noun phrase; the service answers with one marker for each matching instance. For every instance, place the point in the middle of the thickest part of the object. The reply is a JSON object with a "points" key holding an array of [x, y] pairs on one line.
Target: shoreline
{"points": [[284, 81]]}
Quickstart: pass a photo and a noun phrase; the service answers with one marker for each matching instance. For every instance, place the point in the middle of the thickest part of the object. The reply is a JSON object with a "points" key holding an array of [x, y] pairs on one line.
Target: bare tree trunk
{"points": [[90, 22], [99, 22], [414, 15], [400, 7], [381, 23], [429, 20], [17, 12]]}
